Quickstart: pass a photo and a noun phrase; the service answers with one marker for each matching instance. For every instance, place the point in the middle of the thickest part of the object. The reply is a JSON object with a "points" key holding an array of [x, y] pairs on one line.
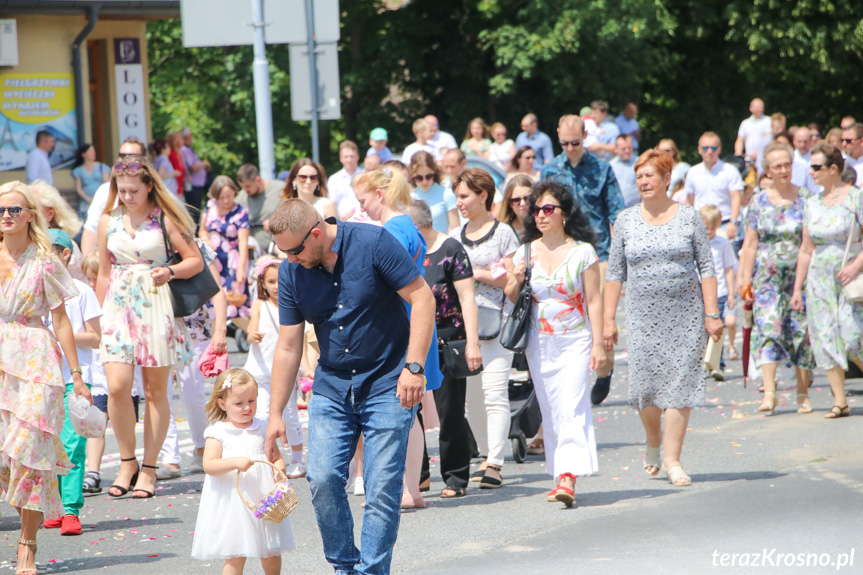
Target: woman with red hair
{"points": [[659, 249]]}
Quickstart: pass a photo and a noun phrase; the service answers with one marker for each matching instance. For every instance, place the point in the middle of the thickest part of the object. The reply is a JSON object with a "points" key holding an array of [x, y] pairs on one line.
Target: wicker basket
{"points": [[276, 513], [234, 298]]}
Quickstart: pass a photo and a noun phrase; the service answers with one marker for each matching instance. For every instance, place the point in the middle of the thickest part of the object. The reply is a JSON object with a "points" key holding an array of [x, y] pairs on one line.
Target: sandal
{"points": [[456, 492], [30, 545], [477, 475], [536, 447], [732, 352], [489, 482], [147, 494], [92, 482], [124, 490], [768, 406], [677, 477], [836, 412], [803, 406], [651, 459], [425, 485], [564, 494]]}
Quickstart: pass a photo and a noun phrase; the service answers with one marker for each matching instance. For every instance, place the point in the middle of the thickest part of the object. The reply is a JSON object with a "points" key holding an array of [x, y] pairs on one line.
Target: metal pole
{"points": [[313, 77], [263, 101]]}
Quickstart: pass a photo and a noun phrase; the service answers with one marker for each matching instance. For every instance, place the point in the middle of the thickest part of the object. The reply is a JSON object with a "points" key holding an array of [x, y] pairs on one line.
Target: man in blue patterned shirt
{"points": [[595, 188]]}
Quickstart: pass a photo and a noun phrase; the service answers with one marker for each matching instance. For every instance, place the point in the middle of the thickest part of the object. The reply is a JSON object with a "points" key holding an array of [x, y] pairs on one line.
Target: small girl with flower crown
{"points": [[226, 528]]}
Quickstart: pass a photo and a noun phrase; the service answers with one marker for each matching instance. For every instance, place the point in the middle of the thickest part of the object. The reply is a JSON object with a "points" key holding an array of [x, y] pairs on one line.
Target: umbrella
{"points": [[747, 330]]}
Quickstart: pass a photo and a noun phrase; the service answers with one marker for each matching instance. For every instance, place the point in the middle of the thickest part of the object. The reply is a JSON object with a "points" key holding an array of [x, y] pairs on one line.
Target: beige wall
{"points": [[45, 45]]}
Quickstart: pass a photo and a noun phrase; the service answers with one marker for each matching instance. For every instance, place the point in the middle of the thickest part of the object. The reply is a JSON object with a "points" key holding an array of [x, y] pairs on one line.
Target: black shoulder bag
{"points": [[513, 334], [188, 295]]}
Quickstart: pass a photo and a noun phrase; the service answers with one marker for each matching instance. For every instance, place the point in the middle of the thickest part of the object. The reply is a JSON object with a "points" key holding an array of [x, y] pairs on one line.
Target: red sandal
{"points": [[564, 494]]}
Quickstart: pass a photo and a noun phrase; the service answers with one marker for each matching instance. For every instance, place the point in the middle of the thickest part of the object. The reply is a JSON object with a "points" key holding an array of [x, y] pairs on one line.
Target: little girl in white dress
{"points": [[226, 528]]}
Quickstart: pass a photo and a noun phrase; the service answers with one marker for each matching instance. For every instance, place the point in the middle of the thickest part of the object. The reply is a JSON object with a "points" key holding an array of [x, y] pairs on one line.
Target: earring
{"points": [[295, 187]]}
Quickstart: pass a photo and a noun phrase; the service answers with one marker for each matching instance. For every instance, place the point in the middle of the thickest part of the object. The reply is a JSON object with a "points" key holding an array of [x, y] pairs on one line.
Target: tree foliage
{"points": [[691, 65]]}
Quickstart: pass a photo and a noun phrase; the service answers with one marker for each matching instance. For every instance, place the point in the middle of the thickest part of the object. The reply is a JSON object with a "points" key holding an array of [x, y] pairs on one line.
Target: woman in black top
{"points": [[450, 276]]}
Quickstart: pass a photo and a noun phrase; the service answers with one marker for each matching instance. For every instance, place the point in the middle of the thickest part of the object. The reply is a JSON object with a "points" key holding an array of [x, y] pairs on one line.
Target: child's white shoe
{"points": [[359, 487], [296, 470]]}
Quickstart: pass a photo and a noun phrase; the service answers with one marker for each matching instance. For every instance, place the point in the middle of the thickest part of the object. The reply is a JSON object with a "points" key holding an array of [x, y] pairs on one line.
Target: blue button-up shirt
{"points": [[359, 318], [540, 143], [595, 188]]}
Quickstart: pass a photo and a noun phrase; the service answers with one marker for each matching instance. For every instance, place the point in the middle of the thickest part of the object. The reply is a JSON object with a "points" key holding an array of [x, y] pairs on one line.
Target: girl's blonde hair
{"points": [[90, 263], [160, 195], [397, 191], [38, 228], [65, 217], [234, 377]]}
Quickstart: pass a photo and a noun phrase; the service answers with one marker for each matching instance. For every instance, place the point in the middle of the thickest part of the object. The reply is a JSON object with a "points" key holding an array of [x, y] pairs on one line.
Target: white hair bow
{"points": [[227, 384]]}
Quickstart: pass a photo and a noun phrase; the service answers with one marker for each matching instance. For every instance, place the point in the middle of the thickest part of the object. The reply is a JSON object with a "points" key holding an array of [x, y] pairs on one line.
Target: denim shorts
{"points": [[101, 402]]}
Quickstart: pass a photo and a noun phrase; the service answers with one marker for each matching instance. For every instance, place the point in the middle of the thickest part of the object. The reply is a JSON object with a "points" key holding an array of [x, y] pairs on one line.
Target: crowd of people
{"points": [[368, 319]]}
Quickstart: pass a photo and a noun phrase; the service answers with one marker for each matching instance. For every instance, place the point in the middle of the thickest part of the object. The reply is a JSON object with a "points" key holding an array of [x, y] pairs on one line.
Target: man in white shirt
{"points": [[852, 145], [38, 165], [628, 125], [715, 183], [802, 142], [606, 131], [754, 133], [339, 187], [441, 141], [131, 146]]}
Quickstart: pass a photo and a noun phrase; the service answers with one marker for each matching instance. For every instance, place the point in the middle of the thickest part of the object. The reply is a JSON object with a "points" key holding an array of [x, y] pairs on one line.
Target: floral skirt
{"points": [[32, 454]]}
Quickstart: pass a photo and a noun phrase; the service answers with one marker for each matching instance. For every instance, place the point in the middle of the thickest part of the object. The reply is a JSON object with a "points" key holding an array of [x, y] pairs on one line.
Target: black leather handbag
{"points": [[514, 332], [188, 295], [453, 362]]}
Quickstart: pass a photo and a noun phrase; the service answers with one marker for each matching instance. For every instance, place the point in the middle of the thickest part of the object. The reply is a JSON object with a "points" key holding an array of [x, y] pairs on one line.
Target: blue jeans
{"points": [[334, 429]]}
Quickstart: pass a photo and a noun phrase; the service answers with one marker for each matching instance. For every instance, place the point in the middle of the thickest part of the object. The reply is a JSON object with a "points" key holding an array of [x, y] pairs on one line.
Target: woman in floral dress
{"points": [[226, 228], [139, 324], [34, 282], [774, 222], [836, 324], [565, 341]]}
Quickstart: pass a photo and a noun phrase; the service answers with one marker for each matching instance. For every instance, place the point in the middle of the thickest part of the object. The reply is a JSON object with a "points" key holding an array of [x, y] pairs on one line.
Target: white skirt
{"points": [[227, 528], [560, 368]]}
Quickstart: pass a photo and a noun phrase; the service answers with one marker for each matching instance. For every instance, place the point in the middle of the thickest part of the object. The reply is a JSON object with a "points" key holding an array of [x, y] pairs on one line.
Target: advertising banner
{"points": [[30, 103]]}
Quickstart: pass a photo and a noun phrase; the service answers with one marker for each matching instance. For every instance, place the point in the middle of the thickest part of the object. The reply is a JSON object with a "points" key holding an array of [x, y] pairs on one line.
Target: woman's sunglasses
{"points": [[422, 178], [547, 209], [516, 201], [14, 211], [132, 167], [311, 178]]}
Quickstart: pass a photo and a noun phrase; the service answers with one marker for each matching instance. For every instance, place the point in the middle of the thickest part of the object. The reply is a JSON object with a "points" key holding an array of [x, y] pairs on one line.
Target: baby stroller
{"points": [[524, 414]]}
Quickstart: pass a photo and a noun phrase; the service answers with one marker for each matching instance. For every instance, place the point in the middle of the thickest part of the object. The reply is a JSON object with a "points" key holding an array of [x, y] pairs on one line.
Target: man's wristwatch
{"points": [[414, 368], [713, 315]]}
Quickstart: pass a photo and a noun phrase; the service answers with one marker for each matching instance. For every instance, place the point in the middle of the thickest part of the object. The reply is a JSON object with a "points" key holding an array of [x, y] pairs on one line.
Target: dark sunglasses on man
{"points": [[574, 144], [709, 148], [299, 249]]}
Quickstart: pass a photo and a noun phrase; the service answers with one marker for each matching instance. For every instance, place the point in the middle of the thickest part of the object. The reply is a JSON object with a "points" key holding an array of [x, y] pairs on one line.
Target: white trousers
{"points": [[291, 414], [487, 401], [194, 397], [560, 369]]}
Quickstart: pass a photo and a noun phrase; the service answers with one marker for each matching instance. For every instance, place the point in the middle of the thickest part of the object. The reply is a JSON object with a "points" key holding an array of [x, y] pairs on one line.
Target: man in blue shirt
{"points": [[595, 188], [538, 141], [349, 281]]}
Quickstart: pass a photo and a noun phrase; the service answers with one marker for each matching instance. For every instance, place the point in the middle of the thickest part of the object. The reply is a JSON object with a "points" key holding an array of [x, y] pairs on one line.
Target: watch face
{"points": [[414, 368]]}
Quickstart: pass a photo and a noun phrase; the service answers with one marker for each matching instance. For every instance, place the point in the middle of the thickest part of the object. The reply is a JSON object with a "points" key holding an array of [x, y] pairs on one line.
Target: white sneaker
{"points": [[197, 465], [359, 487], [165, 472], [296, 470]]}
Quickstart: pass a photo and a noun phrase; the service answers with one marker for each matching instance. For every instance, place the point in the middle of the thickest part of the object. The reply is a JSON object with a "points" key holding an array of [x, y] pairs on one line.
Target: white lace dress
{"points": [[665, 330], [226, 527]]}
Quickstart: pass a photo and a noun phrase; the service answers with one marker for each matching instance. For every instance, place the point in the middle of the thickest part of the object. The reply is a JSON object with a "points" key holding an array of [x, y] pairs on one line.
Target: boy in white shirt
{"points": [[725, 263], [84, 313]]}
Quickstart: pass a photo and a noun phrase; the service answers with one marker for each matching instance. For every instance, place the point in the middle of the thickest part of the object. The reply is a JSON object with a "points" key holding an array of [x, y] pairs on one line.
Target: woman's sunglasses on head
{"points": [[132, 167]]}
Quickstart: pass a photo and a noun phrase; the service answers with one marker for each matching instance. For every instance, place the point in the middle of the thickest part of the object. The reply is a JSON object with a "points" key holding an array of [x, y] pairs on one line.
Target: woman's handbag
{"points": [[453, 363], [188, 295], [854, 289], [488, 321], [513, 334]]}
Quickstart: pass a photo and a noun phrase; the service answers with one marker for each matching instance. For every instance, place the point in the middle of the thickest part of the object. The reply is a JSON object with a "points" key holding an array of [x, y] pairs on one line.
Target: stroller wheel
{"points": [[241, 341], [519, 448]]}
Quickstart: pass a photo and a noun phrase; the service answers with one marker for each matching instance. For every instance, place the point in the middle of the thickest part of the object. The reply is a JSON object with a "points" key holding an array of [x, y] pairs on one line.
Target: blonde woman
{"points": [[477, 140], [140, 328], [59, 214], [383, 194], [31, 383]]}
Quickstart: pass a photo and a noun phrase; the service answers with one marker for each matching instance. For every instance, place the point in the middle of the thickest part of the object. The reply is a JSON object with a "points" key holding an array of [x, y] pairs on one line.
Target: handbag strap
{"points": [[850, 236], [527, 266], [169, 249]]}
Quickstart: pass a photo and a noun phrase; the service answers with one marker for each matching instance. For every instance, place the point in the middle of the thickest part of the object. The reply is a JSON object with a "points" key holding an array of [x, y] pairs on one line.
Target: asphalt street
{"points": [[781, 494]]}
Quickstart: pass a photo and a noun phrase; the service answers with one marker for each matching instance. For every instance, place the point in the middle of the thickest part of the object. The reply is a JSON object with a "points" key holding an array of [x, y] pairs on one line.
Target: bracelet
{"points": [[76, 370], [171, 271]]}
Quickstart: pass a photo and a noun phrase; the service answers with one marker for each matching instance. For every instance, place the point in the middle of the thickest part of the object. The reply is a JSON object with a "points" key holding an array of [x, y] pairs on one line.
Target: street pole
{"points": [[313, 77], [263, 101]]}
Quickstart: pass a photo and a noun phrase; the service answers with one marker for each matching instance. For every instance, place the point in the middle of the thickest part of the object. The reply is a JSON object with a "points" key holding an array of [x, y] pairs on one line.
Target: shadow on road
{"points": [[744, 475], [122, 524], [113, 560]]}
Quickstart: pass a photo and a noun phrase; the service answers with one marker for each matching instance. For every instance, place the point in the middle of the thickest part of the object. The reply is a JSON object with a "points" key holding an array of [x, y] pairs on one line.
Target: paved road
{"points": [[765, 486]]}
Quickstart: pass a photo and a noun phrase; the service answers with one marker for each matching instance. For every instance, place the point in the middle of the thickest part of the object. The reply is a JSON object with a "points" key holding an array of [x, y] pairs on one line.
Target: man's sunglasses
{"points": [[709, 148], [547, 209], [516, 201], [132, 167], [422, 178], [568, 144], [14, 211], [311, 178], [299, 249], [848, 140]]}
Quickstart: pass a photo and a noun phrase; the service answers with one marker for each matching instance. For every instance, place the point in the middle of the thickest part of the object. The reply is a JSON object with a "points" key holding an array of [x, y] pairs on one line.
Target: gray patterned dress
{"points": [[664, 305]]}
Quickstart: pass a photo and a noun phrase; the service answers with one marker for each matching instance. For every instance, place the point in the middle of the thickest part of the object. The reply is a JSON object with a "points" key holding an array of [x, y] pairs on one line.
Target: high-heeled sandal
{"points": [[30, 545], [489, 482], [803, 406], [147, 494], [837, 411], [124, 490], [651, 459], [767, 406]]}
